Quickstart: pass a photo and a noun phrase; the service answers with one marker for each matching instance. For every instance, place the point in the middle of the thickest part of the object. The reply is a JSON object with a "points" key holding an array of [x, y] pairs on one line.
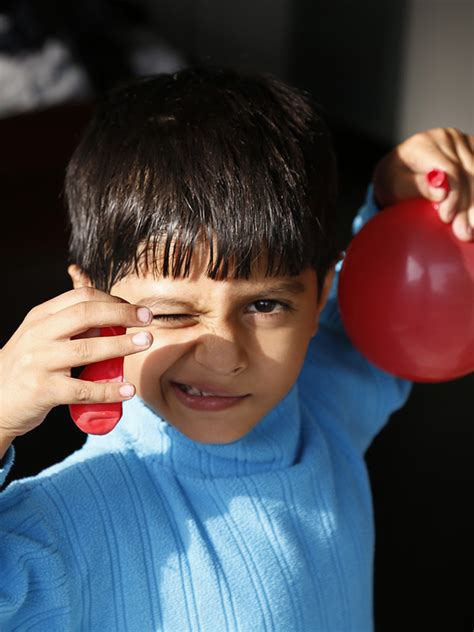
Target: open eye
{"points": [[268, 306]]}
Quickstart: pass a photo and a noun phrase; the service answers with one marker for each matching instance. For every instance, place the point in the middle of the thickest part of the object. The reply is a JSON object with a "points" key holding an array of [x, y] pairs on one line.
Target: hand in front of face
{"points": [[64, 332], [401, 174]]}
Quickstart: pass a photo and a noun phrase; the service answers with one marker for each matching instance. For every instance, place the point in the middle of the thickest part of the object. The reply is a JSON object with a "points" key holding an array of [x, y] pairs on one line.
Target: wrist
{"points": [[5, 443]]}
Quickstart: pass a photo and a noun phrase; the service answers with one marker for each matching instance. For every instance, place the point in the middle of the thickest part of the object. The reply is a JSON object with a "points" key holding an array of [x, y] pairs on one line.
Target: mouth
{"points": [[204, 390], [205, 397]]}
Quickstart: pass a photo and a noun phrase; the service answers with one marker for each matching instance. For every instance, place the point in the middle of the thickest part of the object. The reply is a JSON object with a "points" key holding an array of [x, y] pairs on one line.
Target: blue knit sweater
{"points": [[145, 530]]}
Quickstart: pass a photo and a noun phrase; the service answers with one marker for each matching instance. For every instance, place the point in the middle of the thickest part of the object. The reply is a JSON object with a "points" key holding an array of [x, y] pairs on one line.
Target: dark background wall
{"points": [[353, 58]]}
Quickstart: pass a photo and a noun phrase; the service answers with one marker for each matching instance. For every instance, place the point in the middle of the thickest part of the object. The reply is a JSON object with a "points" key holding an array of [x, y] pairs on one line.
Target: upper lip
{"points": [[208, 388]]}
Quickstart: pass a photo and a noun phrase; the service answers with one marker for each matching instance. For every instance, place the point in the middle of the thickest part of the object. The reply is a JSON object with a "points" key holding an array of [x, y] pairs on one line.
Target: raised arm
{"points": [[354, 396]]}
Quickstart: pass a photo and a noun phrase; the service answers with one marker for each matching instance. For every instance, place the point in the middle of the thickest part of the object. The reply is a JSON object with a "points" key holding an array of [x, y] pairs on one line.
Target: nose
{"points": [[221, 352]]}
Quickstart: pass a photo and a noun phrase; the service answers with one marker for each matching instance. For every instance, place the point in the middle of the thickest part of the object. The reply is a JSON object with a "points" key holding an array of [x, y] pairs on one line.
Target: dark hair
{"points": [[242, 161]]}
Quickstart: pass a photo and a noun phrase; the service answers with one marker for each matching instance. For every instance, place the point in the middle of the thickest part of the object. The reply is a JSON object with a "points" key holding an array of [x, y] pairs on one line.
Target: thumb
{"points": [[429, 190]]}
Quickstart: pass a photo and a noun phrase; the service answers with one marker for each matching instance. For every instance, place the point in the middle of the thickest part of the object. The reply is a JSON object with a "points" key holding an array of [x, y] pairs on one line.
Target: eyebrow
{"points": [[276, 289]]}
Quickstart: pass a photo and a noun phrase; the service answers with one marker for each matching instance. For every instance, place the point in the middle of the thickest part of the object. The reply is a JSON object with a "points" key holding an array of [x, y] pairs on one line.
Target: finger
{"points": [[71, 297], [442, 149], [75, 320], [464, 148], [458, 147], [458, 199], [422, 187], [448, 208], [79, 391], [455, 145], [411, 181], [401, 174], [470, 216], [85, 351], [461, 227]]}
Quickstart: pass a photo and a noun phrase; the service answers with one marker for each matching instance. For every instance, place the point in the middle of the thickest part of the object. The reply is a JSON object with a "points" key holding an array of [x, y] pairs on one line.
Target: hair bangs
{"points": [[228, 248]]}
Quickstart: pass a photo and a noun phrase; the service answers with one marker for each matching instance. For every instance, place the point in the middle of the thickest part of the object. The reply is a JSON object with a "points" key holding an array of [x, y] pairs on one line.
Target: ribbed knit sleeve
{"points": [[355, 397], [35, 586]]}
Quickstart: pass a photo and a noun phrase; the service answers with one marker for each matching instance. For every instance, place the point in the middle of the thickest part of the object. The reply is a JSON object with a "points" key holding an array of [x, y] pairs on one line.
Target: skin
{"points": [[225, 340]]}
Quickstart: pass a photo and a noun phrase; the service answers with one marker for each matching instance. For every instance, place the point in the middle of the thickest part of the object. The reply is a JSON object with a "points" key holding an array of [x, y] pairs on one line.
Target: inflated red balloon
{"points": [[406, 293], [100, 418]]}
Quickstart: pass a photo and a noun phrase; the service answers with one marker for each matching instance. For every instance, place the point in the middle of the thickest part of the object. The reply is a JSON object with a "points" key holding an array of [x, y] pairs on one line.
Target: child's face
{"points": [[240, 338]]}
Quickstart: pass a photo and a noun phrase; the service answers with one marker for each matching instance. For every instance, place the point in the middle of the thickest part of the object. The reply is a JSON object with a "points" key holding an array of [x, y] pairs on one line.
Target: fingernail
{"points": [[141, 339], [144, 314], [126, 390]]}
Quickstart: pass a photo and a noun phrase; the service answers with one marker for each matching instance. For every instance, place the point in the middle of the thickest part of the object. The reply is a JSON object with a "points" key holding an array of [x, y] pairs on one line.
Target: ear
{"points": [[323, 299], [328, 281], [78, 277]]}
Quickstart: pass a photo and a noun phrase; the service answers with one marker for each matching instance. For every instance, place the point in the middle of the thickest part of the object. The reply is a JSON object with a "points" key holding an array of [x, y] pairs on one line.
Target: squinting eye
{"points": [[170, 317], [267, 306]]}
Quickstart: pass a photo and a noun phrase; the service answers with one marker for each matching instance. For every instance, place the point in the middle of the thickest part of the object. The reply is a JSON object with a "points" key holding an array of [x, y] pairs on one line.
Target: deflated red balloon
{"points": [[406, 294], [100, 418]]}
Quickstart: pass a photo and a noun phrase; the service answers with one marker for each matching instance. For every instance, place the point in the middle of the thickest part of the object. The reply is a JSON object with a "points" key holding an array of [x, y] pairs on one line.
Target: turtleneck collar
{"points": [[273, 444]]}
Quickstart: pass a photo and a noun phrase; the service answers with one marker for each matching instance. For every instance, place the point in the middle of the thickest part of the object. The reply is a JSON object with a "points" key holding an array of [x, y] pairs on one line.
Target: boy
{"points": [[233, 494]]}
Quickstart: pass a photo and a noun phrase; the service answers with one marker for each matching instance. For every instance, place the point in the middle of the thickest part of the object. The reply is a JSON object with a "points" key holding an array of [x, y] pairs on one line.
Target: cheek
{"points": [[155, 361], [286, 345], [133, 365], [282, 357]]}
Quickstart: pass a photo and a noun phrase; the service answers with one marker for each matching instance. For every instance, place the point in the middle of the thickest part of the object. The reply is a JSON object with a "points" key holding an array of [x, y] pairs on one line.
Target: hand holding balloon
{"points": [[401, 175], [55, 337], [406, 289]]}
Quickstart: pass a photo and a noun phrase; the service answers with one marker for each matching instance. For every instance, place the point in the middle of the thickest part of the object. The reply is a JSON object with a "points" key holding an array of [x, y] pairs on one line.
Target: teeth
{"points": [[191, 390], [194, 391]]}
